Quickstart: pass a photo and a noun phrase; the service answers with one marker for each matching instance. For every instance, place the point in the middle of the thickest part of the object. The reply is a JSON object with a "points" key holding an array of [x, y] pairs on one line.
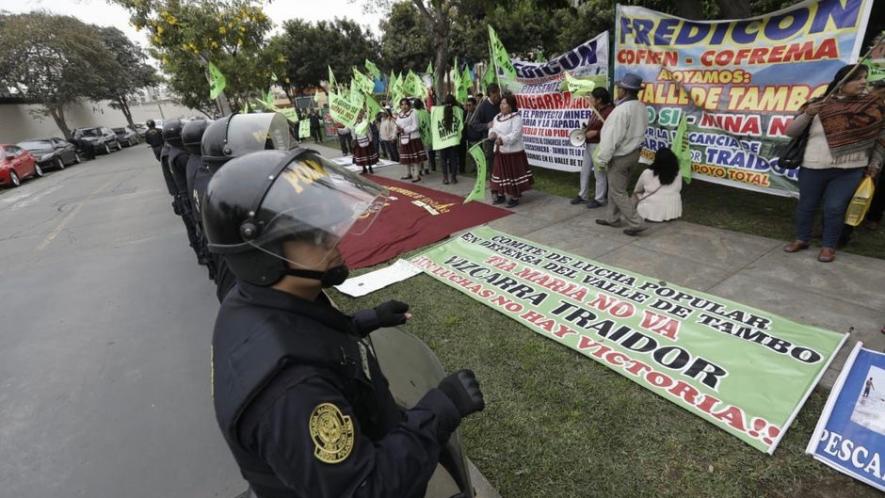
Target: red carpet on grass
{"points": [[413, 217]]}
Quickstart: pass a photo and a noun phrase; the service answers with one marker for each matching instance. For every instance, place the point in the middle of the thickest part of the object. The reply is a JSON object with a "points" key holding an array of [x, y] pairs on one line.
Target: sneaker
{"points": [[595, 204], [577, 200]]}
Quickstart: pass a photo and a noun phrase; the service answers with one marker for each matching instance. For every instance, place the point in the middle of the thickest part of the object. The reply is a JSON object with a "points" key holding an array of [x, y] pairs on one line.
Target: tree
{"points": [[120, 85], [185, 35], [310, 49], [53, 61]]}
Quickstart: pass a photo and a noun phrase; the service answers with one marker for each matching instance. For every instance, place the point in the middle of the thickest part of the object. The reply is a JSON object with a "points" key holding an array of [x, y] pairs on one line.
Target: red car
{"points": [[16, 164]]}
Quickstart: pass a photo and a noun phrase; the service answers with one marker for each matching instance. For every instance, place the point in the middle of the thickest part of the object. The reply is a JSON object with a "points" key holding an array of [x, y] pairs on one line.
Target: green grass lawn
{"points": [[558, 424], [729, 208]]}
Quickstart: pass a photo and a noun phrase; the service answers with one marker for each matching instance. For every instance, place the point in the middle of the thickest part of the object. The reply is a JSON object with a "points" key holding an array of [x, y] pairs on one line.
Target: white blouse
{"points": [[409, 123], [509, 129], [658, 202]]}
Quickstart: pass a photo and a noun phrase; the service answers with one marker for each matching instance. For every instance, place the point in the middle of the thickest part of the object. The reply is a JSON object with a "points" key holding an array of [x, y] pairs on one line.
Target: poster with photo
{"points": [[850, 435]]}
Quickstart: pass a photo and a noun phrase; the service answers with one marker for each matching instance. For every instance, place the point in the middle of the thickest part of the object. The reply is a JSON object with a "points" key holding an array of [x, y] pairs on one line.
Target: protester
{"points": [[344, 138], [845, 137], [388, 136], [411, 149], [375, 128], [364, 153], [424, 129], [316, 129], [450, 155], [601, 101], [468, 136], [658, 188], [621, 139], [486, 111], [511, 175]]}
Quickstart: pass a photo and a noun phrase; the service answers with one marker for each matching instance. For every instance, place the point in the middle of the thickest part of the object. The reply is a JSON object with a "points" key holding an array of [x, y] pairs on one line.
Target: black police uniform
{"points": [[177, 163], [167, 175], [154, 138], [305, 408]]}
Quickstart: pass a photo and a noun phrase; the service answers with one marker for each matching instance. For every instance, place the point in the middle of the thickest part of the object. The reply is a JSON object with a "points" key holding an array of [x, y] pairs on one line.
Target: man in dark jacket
{"points": [[485, 113], [154, 137]]}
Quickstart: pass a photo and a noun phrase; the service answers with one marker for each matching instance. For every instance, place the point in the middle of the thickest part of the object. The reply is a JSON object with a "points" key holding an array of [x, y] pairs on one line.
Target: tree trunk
{"points": [[58, 115], [124, 106]]}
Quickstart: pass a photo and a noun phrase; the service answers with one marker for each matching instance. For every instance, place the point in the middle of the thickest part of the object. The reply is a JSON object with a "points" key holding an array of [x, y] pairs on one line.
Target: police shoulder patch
{"points": [[332, 433]]}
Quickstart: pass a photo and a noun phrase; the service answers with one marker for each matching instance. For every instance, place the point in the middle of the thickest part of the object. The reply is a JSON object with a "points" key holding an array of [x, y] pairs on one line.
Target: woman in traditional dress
{"points": [[364, 153], [411, 149], [511, 175]]}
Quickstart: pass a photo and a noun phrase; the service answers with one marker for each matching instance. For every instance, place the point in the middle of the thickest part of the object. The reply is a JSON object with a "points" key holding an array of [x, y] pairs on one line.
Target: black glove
{"points": [[463, 389], [387, 314]]}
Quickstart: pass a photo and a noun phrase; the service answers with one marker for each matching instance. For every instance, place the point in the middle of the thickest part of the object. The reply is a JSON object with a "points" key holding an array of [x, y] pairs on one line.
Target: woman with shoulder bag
{"points": [[845, 141]]}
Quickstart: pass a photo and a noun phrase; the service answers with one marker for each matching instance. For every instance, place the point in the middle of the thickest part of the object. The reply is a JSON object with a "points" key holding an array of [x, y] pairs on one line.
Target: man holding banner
{"points": [[621, 140]]}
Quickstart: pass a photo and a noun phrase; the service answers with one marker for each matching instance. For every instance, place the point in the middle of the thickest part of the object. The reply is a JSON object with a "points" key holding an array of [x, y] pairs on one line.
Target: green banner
{"points": [[372, 69], [304, 129], [289, 112], [217, 82], [363, 82], [343, 110], [424, 127], [479, 187], [372, 107], [501, 59], [442, 137], [744, 370]]}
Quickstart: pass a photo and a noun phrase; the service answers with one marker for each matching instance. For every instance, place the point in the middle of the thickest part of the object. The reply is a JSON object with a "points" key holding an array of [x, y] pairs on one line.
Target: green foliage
{"points": [[186, 34], [406, 42], [53, 61], [119, 86], [310, 49]]}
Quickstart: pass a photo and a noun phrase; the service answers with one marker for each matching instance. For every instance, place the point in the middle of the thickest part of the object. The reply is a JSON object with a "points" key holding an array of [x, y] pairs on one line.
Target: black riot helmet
{"points": [[192, 135], [257, 202], [239, 134], [172, 132], [150, 123]]}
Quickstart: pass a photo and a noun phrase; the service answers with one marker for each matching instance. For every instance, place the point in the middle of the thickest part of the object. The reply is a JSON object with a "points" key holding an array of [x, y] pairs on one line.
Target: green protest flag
{"points": [[332, 83], [217, 82], [290, 113], [273, 77], [356, 96], [577, 86], [745, 370], [304, 129], [364, 83], [441, 136], [502, 62], [413, 86], [361, 127], [464, 86], [372, 69], [429, 69], [372, 106], [343, 110], [479, 187], [488, 77], [424, 127], [680, 148]]}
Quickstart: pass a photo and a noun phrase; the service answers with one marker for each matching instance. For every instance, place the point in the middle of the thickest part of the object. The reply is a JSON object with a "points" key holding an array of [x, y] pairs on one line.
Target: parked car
{"points": [[52, 152], [17, 164], [140, 128], [101, 138], [126, 136]]}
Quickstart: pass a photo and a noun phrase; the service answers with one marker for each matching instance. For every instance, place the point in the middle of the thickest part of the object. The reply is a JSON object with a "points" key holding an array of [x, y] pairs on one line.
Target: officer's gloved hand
{"points": [[463, 389], [387, 314]]}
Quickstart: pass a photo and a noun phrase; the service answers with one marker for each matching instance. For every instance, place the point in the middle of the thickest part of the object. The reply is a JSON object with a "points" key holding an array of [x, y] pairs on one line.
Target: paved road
{"points": [[104, 340]]}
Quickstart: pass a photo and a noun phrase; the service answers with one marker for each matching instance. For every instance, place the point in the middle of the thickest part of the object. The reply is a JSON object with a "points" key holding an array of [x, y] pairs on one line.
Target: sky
{"points": [[103, 13]]}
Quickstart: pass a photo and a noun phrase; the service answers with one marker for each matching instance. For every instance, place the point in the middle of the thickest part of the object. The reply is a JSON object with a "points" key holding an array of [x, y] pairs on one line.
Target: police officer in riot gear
{"points": [[298, 392], [224, 139], [153, 137], [191, 138], [176, 163]]}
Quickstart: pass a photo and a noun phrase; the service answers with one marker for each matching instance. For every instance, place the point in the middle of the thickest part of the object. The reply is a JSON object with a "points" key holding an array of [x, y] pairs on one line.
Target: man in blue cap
{"points": [[620, 142]]}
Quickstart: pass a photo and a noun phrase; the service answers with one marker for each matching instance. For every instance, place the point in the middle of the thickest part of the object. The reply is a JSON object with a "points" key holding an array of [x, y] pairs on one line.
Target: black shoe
{"points": [[512, 203], [445, 180], [577, 200], [454, 179], [594, 204], [634, 231], [499, 200], [606, 223], [416, 180]]}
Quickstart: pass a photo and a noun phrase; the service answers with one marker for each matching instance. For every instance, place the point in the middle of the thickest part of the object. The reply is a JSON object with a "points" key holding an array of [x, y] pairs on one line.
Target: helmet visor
{"points": [[252, 132], [314, 203]]}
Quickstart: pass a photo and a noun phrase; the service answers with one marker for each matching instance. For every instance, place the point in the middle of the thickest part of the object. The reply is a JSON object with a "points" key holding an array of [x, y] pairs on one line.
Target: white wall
{"points": [[17, 124]]}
